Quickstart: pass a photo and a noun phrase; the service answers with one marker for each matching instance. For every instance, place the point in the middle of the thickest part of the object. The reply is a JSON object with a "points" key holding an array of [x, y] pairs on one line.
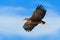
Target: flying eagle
{"points": [[36, 18]]}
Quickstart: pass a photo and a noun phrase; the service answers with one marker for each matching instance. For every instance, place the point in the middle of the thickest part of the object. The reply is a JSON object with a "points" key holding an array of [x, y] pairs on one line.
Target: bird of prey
{"points": [[35, 19]]}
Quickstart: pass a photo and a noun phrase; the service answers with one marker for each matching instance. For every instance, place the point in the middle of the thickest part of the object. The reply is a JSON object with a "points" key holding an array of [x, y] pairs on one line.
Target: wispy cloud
{"points": [[13, 25], [8, 10]]}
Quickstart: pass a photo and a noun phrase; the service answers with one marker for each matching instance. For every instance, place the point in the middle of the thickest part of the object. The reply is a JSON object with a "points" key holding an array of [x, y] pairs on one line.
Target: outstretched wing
{"points": [[39, 13], [29, 26]]}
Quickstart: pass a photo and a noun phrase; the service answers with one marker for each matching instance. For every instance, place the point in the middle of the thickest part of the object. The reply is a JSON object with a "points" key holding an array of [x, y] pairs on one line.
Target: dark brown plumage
{"points": [[36, 18]]}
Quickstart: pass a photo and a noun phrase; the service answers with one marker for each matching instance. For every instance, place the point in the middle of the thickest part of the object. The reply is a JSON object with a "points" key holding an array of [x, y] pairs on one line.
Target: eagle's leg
{"points": [[42, 22], [27, 19]]}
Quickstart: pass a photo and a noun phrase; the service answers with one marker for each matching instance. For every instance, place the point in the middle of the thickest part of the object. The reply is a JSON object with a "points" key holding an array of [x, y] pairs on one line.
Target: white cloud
{"points": [[9, 11], [14, 25], [11, 25]]}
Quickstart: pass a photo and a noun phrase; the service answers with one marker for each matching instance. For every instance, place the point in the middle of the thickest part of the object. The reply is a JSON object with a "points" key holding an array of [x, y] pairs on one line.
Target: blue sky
{"points": [[31, 4], [13, 12]]}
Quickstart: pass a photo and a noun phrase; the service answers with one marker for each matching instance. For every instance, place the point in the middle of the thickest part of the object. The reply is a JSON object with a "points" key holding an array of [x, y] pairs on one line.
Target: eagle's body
{"points": [[36, 18]]}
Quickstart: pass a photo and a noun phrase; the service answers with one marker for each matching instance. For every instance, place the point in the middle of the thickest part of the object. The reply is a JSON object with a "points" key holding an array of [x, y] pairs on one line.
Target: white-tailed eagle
{"points": [[35, 19]]}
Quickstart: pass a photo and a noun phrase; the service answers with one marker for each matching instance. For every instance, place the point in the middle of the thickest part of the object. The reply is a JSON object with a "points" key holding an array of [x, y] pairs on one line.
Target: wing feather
{"points": [[39, 13], [29, 26]]}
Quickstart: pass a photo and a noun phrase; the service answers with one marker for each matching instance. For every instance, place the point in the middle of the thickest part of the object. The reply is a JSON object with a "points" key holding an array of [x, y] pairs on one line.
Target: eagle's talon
{"points": [[26, 19]]}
